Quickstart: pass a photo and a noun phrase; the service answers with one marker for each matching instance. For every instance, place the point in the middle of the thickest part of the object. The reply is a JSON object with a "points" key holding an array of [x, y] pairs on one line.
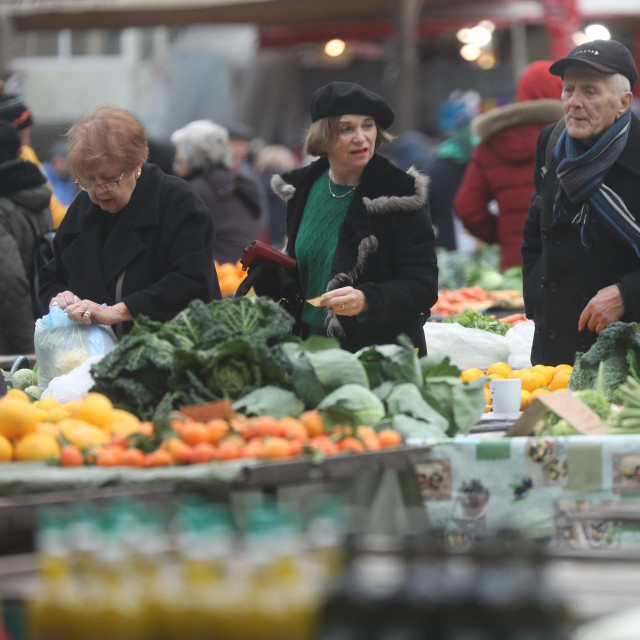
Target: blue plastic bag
{"points": [[62, 344]]}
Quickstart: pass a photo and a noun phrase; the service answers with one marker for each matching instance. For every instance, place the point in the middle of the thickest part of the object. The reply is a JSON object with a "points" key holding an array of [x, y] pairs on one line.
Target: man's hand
{"points": [[604, 308]]}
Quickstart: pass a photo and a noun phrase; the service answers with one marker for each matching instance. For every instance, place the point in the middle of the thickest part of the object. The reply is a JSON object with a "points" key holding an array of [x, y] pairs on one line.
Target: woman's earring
{"points": [[138, 174]]}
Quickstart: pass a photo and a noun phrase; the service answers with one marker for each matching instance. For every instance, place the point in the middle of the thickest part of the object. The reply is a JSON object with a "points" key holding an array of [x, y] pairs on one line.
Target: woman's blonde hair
{"points": [[323, 133], [108, 134]]}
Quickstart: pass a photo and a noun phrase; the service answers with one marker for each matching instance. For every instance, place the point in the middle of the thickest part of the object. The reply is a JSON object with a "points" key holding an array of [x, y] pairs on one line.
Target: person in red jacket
{"points": [[502, 165]]}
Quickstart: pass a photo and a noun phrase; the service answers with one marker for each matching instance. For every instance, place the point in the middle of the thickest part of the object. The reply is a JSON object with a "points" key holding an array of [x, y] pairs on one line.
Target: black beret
{"points": [[339, 98], [605, 56]]}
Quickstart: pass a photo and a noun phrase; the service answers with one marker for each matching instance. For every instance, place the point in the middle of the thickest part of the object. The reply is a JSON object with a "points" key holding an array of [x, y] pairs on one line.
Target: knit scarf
{"points": [[581, 182]]}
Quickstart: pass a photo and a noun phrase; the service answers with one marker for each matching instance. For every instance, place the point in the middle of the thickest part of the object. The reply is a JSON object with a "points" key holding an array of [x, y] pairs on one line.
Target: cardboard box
{"points": [[567, 406]]}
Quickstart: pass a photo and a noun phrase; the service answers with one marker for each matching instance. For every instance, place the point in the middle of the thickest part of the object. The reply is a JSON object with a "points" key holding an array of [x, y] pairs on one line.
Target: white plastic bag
{"points": [[62, 344], [73, 385], [466, 348], [519, 340]]}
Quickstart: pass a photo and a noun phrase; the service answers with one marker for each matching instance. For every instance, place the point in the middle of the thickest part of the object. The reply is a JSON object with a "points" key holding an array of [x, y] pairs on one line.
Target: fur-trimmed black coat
{"points": [[386, 248], [24, 216], [162, 239]]}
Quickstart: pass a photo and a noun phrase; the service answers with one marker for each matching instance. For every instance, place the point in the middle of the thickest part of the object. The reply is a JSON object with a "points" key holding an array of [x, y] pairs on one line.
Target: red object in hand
{"points": [[258, 250]]}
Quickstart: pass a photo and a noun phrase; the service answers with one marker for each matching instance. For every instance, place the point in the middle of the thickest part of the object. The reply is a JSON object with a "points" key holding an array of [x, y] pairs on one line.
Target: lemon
{"points": [[17, 394], [18, 418], [37, 446], [95, 409], [501, 368], [469, 375], [6, 449]]}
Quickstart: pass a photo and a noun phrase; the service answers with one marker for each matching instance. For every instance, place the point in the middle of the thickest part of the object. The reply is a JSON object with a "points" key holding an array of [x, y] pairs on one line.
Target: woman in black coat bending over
{"points": [[134, 241], [358, 227]]}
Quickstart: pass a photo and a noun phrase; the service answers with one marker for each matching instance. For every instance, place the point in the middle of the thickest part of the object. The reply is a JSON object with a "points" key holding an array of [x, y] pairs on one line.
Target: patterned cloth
{"points": [[581, 182], [316, 244]]}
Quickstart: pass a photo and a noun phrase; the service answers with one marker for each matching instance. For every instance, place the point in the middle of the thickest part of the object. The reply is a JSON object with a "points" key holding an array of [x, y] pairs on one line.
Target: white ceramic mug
{"points": [[506, 395]]}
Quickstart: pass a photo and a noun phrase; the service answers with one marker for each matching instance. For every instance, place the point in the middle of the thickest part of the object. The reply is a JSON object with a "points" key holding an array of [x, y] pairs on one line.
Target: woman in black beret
{"points": [[358, 227]]}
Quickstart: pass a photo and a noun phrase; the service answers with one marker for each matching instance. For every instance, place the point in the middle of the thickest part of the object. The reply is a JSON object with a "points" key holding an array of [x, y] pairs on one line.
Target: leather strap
{"points": [[118, 327]]}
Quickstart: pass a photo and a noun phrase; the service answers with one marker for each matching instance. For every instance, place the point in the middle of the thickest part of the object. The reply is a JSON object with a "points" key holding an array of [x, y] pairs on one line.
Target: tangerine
{"points": [[216, 430], [182, 455], [500, 368], [202, 452], [37, 446], [275, 447], [194, 433], [349, 443], [560, 380], [313, 423], [132, 457], [389, 438], [294, 429], [6, 449], [469, 375], [71, 456], [157, 458]]}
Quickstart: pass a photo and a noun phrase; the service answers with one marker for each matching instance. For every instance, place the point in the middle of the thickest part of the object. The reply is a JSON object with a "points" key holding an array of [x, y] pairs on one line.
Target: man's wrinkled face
{"points": [[592, 102]]}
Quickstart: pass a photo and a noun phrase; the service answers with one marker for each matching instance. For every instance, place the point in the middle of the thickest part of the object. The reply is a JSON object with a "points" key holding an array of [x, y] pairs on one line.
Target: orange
{"points": [[82, 434], [95, 409], [202, 452], [561, 367], [253, 448], [6, 449], [18, 394], [469, 375], [109, 457], [48, 427], [313, 423], [275, 447], [560, 380], [216, 430], [71, 456], [171, 445], [349, 443], [46, 404], [133, 458], [525, 397], [543, 371], [230, 449], [268, 426], [56, 414], [157, 458], [228, 284], [539, 392], [194, 433], [182, 455], [532, 380], [37, 446], [123, 423], [293, 429], [501, 368], [389, 438], [18, 418]]}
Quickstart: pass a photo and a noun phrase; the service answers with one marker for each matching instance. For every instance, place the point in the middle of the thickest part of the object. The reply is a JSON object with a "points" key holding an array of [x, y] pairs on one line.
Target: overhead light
{"points": [[597, 32], [335, 48], [464, 35], [479, 36], [487, 61], [488, 25], [470, 52], [579, 37]]}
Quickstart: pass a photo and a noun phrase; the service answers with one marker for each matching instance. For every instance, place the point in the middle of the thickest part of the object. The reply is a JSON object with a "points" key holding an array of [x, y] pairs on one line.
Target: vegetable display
{"points": [[613, 357], [475, 320]]}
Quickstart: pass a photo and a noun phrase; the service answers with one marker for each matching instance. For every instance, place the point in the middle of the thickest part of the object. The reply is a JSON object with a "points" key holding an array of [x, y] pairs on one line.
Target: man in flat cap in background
{"points": [[581, 250]]}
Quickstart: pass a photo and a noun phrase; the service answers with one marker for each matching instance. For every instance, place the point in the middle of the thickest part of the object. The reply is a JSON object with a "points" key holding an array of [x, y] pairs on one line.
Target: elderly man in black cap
{"points": [[581, 250], [358, 227]]}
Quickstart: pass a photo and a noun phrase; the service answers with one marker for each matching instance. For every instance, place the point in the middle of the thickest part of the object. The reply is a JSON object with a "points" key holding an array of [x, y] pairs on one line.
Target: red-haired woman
{"points": [[136, 239]]}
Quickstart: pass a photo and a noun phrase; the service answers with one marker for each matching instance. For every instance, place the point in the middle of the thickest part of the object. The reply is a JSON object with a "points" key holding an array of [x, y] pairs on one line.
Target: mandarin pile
{"points": [[536, 380]]}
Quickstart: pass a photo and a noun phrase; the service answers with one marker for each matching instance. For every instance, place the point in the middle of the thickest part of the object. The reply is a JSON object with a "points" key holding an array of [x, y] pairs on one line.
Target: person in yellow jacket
{"points": [[14, 110]]}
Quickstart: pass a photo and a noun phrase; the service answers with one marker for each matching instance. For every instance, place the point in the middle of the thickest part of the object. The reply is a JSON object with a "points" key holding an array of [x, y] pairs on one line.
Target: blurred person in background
{"points": [[13, 110], [56, 168], [24, 216], [204, 158], [581, 249], [502, 165], [135, 241], [452, 157], [275, 158], [358, 227]]}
